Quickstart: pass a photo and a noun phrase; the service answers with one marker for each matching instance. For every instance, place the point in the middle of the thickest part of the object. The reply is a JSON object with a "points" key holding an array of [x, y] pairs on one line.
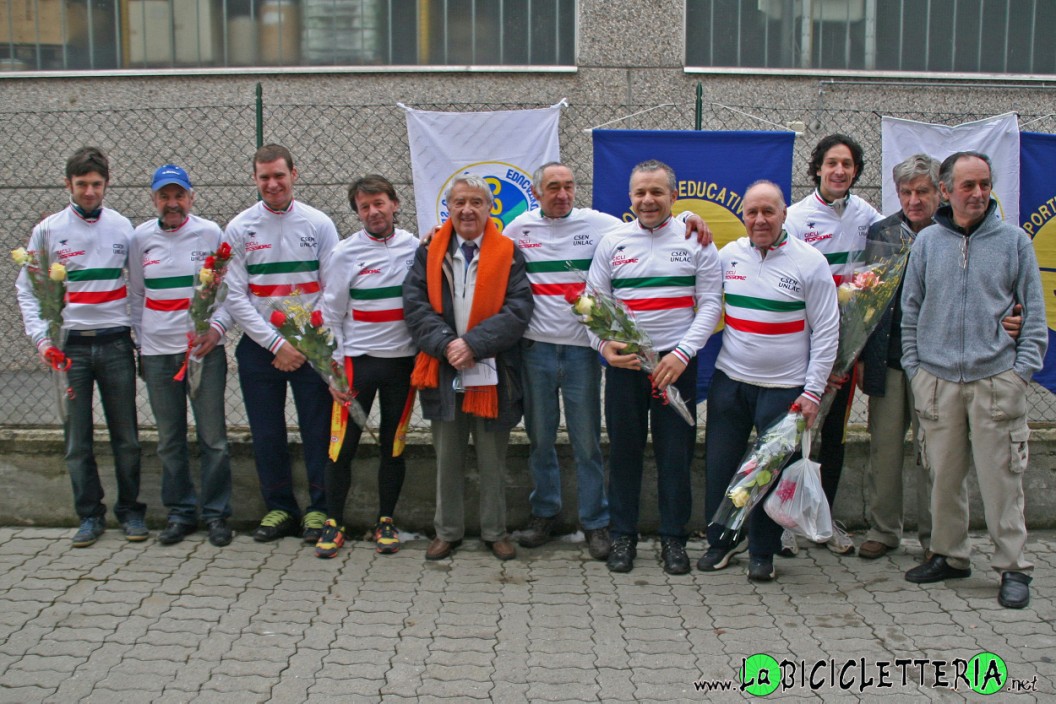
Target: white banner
{"points": [[504, 147], [997, 137]]}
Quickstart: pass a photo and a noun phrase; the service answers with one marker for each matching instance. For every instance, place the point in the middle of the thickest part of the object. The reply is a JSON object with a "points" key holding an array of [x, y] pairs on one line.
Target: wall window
{"points": [[145, 34], [954, 36]]}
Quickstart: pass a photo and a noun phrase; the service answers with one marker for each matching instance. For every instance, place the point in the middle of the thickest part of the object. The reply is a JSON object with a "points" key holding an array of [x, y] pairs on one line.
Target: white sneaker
{"points": [[789, 544], [840, 543]]}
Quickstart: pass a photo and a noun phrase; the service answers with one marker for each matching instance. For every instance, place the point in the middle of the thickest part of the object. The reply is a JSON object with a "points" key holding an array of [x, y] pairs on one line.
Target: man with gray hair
{"points": [[881, 376], [467, 303], [969, 376], [164, 259]]}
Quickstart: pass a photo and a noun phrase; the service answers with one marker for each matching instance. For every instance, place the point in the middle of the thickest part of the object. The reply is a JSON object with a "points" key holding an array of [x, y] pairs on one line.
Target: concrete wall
{"points": [[37, 488]]}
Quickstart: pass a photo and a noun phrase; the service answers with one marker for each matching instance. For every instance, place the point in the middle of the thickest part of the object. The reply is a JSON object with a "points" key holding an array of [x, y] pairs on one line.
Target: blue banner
{"points": [[713, 171], [1037, 213]]}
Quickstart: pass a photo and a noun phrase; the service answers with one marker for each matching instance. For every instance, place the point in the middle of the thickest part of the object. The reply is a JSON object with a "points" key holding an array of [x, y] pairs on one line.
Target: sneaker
{"points": [[717, 558], [219, 534], [331, 540], [840, 543], [175, 532], [789, 544], [90, 530], [312, 527], [135, 530], [761, 569], [599, 542], [673, 554], [276, 524], [537, 533], [622, 554], [386, 537]]}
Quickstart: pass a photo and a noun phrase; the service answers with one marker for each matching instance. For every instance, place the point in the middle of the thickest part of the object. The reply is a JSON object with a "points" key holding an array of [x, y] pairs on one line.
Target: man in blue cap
{"points": [[164, 261]]}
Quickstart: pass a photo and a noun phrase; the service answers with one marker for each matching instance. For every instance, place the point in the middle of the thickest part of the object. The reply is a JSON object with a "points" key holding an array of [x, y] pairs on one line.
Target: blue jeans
{"points": [[109, 363], [575, 372], [168, 399], [734, 408], [630, 411], [264, 391]]}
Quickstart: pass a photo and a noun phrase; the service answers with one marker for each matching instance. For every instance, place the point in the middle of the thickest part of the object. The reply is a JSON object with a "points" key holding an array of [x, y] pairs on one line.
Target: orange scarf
{"points": [[493, 273]]}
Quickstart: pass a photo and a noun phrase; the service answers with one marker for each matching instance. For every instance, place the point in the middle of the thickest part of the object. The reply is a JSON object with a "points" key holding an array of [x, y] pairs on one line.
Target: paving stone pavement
{"points": [[141, 622]]}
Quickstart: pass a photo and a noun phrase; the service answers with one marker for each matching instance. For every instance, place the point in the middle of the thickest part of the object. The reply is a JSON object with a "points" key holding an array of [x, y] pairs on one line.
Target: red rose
{"points": [[210, 262], [278, 318], [316, 319], [224, 251], [572, 295]]}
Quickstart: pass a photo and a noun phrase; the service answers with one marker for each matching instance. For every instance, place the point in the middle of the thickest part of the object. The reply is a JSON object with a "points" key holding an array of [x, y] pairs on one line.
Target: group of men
{"points": [[477, 322]]}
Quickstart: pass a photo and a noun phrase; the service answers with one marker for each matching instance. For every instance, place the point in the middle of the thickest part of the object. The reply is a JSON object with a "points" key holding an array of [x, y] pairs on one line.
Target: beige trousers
{"points": [[983, 421], [890, 416], [451, 441]]}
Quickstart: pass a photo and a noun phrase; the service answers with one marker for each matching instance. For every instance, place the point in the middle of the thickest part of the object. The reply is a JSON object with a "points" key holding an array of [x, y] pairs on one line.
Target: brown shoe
{"points": [[440, 548], [503, 549], [873, 549]]}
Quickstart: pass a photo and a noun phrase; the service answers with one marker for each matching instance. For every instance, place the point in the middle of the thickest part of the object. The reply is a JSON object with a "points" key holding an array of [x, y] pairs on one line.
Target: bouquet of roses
{"points": [[862, 299], [304, 329], [609, 319], [759, 469], [209, 293], [48, 280]]}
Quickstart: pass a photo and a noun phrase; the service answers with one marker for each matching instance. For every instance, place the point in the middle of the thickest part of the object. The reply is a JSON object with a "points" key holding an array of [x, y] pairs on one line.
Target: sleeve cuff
{"points": [[682, 355], [276, 344]]}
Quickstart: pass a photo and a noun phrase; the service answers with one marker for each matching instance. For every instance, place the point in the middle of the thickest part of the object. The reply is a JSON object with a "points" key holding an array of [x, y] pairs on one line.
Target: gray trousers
{"points": [[451, 441], [890, 416], [995, 411]]}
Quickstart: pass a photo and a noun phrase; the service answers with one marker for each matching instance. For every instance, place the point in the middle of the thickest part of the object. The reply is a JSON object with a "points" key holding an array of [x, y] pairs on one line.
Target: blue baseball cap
{"points": [[168, 175]]}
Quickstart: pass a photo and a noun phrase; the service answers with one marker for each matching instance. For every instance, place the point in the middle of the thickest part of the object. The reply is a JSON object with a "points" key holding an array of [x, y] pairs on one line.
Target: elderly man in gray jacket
{"points": [[969, 378], [467, 302]]}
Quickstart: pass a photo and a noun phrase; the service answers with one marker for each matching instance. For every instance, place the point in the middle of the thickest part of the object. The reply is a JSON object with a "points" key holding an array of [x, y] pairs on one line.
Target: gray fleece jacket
{"points": [[958, 288]]}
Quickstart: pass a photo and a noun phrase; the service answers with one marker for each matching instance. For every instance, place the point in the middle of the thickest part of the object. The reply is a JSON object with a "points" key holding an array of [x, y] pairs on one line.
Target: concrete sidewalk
{"points": [[122, 622]]}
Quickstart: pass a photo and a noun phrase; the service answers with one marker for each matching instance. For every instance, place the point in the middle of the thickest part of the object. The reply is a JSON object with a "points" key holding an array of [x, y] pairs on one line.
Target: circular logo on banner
{"points": [[511, 188], [1043, 231]]}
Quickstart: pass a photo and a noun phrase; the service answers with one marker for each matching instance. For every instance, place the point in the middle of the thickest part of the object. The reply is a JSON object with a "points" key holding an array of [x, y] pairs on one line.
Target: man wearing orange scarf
{"points": [[467, 302]]}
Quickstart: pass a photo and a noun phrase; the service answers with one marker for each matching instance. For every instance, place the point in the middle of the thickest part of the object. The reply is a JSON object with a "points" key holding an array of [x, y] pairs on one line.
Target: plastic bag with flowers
{"points": [[209, 293], [798, 502], [606, 317], [48, 281], [772, 450], [862, 299]]}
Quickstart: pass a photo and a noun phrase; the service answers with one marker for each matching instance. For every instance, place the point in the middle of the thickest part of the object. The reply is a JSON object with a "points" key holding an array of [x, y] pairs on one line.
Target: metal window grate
{"points": [[948, 36], [100, 35]]}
